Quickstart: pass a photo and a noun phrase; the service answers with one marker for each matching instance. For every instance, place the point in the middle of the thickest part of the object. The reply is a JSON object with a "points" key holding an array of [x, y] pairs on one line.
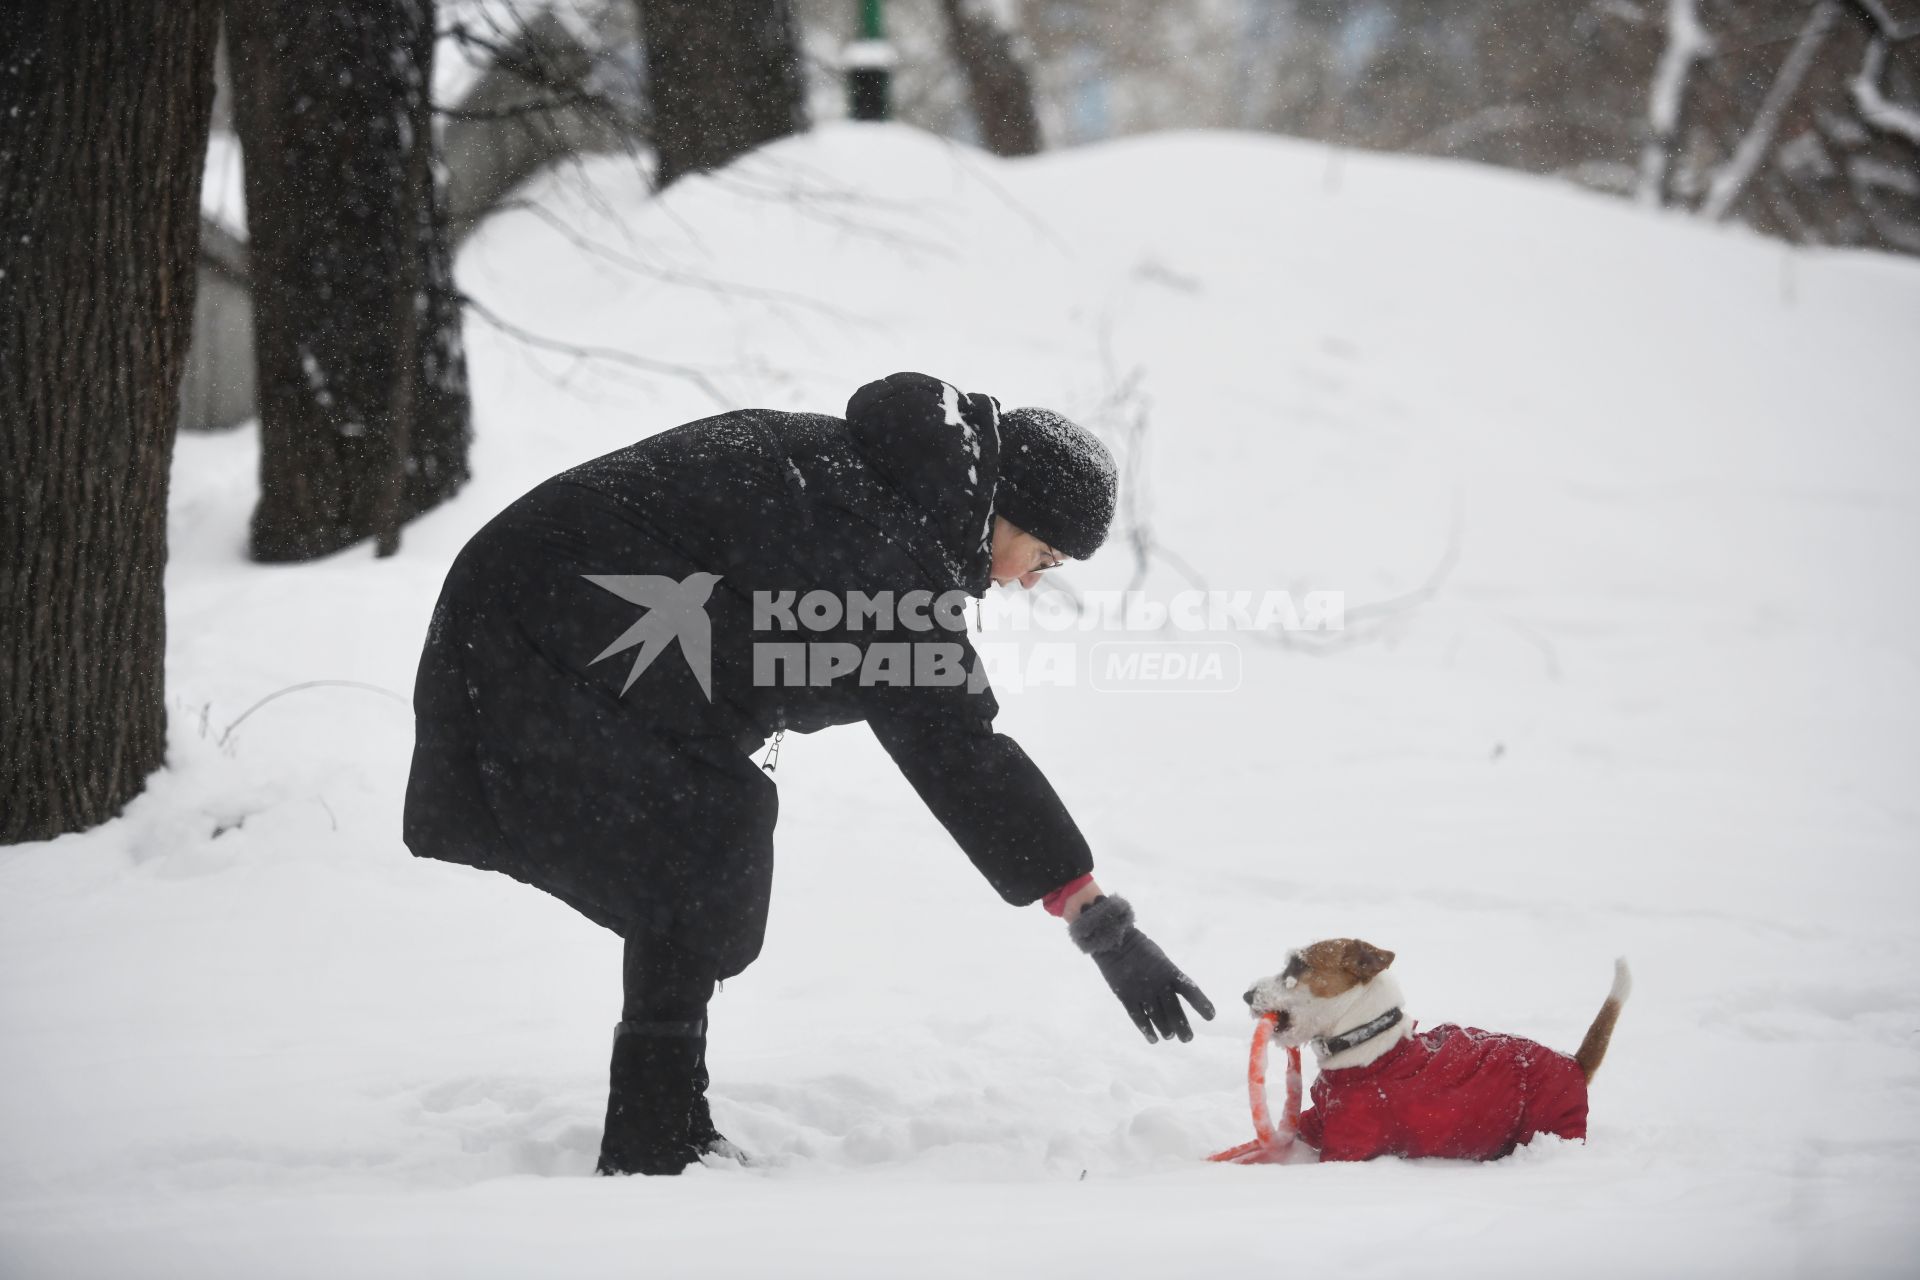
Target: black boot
{"points": [[655, 1078], [704, 1138]]}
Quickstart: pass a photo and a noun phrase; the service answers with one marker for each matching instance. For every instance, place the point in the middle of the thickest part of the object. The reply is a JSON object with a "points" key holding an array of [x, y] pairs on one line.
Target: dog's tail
{"points": [[1600, 1034]]}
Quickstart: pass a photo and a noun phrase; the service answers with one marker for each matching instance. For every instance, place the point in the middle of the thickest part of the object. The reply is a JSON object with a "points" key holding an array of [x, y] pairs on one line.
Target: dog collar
{"points": [[1330, 1045]]}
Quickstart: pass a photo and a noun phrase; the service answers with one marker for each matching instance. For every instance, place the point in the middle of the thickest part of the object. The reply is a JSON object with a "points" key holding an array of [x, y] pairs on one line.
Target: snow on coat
{"points": [[640, 805], [1454, 1091]]}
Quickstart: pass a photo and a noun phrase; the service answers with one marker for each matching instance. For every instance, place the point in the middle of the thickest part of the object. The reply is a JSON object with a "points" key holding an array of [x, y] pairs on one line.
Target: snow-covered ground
{"points": [[1641, 501]]}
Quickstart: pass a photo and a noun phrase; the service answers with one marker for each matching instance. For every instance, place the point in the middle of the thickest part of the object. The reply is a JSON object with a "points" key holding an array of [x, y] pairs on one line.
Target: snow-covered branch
{"points": [[1883, 20], [1878, 110], [1687, 43], [1732, 177]]}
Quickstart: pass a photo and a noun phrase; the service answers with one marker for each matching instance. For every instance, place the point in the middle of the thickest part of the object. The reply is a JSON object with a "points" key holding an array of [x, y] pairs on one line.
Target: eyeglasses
{"points": [[1054, 562]]}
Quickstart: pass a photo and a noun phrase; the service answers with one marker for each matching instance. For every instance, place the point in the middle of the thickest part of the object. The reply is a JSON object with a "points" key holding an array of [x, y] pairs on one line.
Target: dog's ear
{"points": [[1364, 960]]}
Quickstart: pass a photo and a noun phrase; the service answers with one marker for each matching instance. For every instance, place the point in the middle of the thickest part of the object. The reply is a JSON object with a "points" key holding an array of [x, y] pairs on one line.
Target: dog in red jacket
{"points": [[1385, 1089]]}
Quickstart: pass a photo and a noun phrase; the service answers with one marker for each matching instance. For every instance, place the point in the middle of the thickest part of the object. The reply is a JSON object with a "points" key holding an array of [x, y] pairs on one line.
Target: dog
{"points": [[1386, 1089]]}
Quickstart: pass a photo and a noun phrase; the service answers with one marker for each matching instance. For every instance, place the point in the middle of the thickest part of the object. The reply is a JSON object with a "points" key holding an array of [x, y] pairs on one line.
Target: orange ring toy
{"points": [[1269, 1145]]}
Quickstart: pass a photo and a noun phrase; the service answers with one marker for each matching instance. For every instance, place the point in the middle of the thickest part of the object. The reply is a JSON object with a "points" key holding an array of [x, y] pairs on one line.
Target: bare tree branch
{"points": [[1370, 621], [531, 107], [612, 354], [227, 733], [667, 275]]}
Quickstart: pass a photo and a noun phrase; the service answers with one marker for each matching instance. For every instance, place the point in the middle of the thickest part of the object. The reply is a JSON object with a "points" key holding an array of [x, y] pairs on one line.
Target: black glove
{"points": [[1149, 985]]}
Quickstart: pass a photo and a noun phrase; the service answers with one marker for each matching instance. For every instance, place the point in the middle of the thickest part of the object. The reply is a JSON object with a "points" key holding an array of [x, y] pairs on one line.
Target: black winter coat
{"points": [[641, 806]]}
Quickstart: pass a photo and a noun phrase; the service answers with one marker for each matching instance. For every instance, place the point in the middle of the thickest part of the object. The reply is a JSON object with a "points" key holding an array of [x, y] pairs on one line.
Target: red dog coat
{"points": [[1457, 1092]]}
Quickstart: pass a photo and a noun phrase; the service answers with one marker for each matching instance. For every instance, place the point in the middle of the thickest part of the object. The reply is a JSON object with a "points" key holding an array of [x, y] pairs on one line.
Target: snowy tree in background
{"points": [[103, 126], [723, 77], [362, 380], [1799, 118], [999, 82]]}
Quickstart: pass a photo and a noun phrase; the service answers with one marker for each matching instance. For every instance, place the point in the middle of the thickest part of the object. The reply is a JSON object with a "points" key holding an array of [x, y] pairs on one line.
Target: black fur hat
{"points": [[1056, 481]]}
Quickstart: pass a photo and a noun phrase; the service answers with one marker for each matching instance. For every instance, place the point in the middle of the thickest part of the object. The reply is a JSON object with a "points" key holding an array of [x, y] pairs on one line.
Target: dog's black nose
{"points": [[1248, 997]]}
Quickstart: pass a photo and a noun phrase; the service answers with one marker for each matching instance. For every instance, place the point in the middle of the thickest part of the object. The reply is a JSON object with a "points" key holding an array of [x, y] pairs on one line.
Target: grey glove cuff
{"points": [[1101, 925]]}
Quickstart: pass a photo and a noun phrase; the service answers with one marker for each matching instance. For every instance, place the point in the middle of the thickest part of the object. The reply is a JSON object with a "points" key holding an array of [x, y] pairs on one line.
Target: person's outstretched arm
{"points": [[1006, 816], [992, 799]]}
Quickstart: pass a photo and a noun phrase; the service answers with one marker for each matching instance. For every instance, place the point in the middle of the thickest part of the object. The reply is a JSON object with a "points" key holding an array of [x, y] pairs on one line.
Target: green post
{"points": [[869, 64]]}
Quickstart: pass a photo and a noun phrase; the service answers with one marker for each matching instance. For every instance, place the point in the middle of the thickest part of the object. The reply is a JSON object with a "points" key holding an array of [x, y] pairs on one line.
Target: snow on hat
{"points": [[1056, 481]]}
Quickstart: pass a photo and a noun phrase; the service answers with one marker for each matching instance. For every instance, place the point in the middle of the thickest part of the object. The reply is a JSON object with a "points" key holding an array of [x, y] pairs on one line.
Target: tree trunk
{"points": [[723, 77], [103, 135], [362, 380], [997, 79]]}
